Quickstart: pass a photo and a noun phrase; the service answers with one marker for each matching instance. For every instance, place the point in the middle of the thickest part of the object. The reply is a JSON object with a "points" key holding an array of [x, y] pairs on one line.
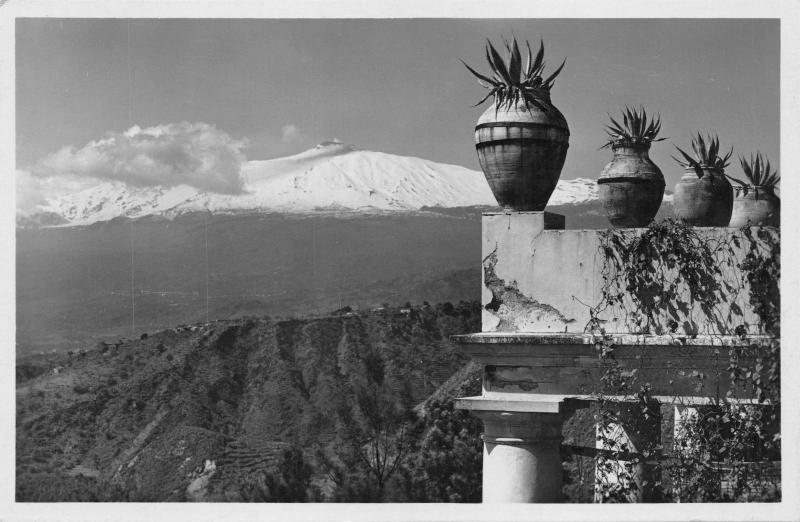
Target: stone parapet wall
{"points": [[540, 278]]}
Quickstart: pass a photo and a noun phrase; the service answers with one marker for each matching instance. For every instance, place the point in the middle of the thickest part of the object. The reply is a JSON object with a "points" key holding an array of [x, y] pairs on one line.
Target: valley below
{"points": [[74, 284]]}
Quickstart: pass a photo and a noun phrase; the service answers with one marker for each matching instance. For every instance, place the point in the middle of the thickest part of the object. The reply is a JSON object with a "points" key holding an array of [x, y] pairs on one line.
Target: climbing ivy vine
{"points": [[675, 280]]}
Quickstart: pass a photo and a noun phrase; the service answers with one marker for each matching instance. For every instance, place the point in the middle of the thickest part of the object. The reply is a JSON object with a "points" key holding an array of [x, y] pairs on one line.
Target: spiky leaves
{"points": [[635, 129], [510, 82], [705, 156], [758, 171]]}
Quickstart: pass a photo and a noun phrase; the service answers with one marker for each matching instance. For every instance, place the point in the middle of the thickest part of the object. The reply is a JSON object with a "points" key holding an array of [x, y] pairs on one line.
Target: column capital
{"points": [[513, 427], [521, 460]]}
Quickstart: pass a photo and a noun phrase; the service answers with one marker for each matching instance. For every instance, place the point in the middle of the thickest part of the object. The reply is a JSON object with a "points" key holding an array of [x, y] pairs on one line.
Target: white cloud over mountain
{"points": [[30, 195], [197, 155], [34, 192]]}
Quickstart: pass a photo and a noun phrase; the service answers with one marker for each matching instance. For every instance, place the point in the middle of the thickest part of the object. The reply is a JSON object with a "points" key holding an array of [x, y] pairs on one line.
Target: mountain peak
{"points": [[326, 148], [334, 144]]}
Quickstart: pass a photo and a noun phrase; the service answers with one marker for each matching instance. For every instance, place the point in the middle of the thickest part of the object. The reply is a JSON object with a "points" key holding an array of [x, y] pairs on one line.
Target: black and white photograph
{"points": [[303, 261]]}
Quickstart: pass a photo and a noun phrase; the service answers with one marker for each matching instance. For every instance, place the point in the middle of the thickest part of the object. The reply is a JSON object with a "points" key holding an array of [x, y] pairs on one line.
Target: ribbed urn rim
{"points": [[636, 147], [710, 170], [653, 181], [755, 189], [519, 112], [646, 170]]}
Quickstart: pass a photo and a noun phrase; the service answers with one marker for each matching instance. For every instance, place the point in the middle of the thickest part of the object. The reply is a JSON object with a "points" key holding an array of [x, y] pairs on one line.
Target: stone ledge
{"points": [[561, 366], [550, 220], [568, 403], [530, 403], [530, 338]]}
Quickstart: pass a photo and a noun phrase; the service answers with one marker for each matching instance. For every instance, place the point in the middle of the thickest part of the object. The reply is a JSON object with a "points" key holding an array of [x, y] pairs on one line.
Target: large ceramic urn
{"points": [[753, 206], [521, 150], [703, 201], [631, 186]]}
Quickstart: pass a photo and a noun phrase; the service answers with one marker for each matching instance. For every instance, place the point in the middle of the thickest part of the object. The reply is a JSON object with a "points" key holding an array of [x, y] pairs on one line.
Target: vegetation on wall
{"points": [[672, 279]]}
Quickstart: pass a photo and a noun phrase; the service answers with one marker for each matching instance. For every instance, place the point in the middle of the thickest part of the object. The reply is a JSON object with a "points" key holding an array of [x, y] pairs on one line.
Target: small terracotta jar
{"points": [[756, 206], [631, 187], [703, 202]]}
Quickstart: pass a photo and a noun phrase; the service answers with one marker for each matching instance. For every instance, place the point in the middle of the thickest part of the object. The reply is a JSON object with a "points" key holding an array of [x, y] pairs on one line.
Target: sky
{"points": [[238, 89]]}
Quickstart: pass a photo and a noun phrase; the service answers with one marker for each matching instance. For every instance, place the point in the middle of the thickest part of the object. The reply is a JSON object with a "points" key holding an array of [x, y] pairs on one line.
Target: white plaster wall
{"points": [[538, 280]]}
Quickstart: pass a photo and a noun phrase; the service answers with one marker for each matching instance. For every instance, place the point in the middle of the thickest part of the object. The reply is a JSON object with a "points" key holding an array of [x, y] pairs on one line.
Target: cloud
{"points": [[33, 193], [30, 193], [194, 154], [291, 133]]}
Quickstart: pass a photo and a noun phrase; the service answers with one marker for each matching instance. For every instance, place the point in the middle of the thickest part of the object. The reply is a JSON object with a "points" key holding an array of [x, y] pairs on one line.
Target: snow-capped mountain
{"points": [[331, 176]]}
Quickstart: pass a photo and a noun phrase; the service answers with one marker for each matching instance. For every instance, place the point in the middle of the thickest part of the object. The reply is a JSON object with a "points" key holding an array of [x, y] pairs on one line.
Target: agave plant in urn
{"points": [[755, 202], [631, 187], [704, 196], [522, 140]]}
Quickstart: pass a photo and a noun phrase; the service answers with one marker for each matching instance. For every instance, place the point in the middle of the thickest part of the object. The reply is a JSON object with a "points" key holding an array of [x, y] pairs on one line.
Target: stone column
{"points": [[521, 458]]}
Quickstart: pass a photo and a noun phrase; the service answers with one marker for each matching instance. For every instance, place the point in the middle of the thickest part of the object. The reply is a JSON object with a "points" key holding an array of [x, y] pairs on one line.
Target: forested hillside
{"points": [[223, 411]]}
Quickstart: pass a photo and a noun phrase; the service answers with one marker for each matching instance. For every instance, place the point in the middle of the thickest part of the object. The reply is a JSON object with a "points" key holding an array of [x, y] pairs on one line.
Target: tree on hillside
{"points": [[447, 467], [388, 439], [373, 437]]}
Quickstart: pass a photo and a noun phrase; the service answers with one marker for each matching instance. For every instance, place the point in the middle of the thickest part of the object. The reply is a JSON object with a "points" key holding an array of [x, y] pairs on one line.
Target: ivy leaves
{"points": [[650, 273], [670, 278]]}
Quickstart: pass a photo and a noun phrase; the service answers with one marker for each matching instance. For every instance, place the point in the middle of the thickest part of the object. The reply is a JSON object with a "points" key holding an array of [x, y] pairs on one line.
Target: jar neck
{"points": [[706, 171], [758, 189], [628, 149]]}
